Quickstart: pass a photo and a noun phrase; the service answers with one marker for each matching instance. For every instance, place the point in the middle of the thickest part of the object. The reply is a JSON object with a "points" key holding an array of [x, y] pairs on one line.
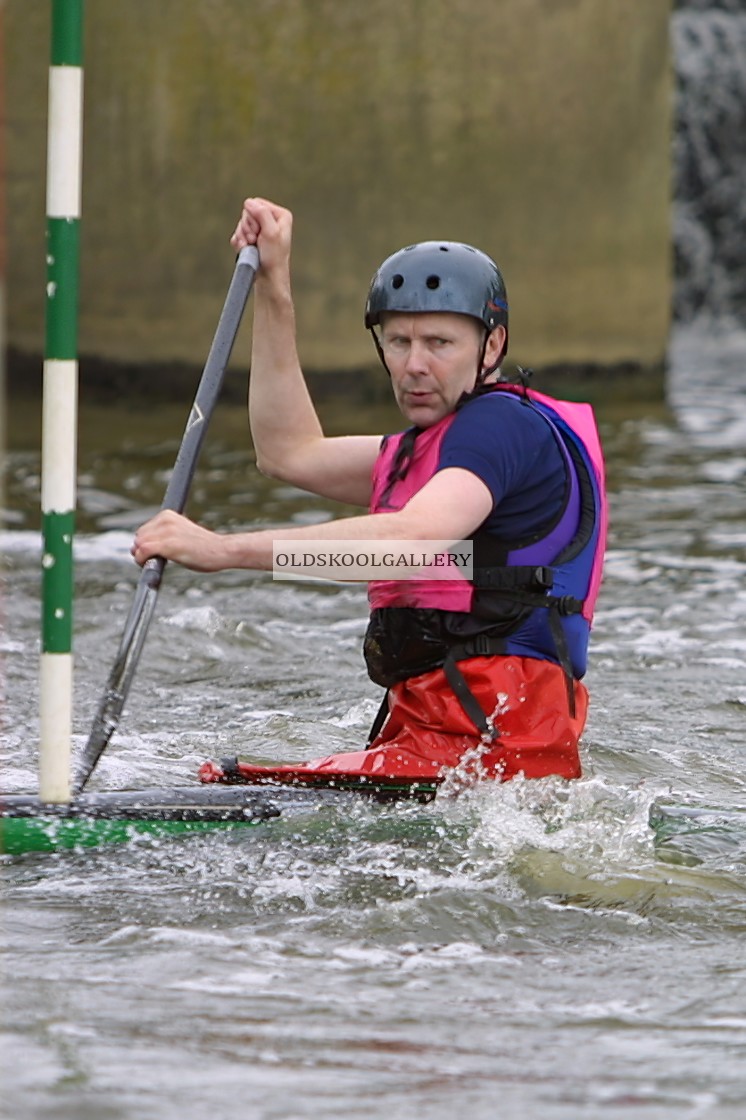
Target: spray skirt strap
{"points": [[468, 700]]}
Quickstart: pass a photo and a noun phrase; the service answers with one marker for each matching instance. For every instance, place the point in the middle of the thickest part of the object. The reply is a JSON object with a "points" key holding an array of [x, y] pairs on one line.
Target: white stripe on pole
{"points": [[56, 682], [64, 141], [59, 417]]}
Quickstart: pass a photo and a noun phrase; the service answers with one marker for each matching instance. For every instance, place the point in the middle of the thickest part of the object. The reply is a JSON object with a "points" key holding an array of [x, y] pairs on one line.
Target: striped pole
{"points": [[59, 410]]}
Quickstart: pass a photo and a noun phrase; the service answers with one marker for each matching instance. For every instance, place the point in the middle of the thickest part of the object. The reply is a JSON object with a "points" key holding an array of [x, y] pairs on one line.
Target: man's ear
{"points": [[494, 348]]}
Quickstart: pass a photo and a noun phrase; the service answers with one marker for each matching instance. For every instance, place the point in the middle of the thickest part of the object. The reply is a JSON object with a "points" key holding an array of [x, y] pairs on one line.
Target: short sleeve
{"points": [[513, 449]]}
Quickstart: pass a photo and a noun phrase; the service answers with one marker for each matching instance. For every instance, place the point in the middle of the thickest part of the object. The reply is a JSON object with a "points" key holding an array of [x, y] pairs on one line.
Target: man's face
{"points": [[432, 358]]}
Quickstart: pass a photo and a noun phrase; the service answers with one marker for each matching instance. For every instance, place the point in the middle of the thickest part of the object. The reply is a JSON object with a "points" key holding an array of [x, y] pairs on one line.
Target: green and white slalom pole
{"points": [[59, 411]]}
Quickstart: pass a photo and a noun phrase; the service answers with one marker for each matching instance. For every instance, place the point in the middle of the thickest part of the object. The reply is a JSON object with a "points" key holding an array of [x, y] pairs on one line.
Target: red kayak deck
{"points": [[230, 771]]}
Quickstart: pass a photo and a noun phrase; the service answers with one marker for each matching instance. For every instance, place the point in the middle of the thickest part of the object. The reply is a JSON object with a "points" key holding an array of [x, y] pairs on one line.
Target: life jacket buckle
{"points": [[567, 604], [544, 578]]}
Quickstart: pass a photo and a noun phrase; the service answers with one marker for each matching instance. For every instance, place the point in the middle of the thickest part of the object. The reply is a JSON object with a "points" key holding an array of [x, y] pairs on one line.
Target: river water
{"points": [[533, 950]]}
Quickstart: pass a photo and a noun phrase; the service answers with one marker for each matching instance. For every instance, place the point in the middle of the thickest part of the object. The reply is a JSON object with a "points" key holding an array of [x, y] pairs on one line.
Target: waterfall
{"points": [[709, 164]]}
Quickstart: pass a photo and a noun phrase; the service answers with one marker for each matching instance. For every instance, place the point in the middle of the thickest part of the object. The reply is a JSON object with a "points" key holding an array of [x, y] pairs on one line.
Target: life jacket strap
{"points": [[481, 645], [514, 577], [563, 652], [380, 718], [468, 700]]}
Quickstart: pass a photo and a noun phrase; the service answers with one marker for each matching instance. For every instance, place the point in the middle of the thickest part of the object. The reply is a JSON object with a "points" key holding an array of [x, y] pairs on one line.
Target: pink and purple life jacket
{"points": [[529, 598]]}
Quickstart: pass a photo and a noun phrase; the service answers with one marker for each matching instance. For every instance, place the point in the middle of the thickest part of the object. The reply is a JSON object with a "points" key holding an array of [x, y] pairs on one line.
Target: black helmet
{"points": [[439, 276]]}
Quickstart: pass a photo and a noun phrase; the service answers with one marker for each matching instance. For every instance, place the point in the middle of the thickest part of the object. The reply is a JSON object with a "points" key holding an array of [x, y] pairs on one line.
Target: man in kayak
{"points": [[482, 673]]}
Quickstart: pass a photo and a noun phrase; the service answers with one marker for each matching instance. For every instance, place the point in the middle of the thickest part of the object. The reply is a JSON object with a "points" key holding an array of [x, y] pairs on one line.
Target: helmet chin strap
{"points": [[379, 349], [482, 373]]}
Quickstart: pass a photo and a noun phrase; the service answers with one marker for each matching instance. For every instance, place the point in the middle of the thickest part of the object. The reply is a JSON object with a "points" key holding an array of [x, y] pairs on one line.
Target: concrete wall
{"points": [[536, 129]]}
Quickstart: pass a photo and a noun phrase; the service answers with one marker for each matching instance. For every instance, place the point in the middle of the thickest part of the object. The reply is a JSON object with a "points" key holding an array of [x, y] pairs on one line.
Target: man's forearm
{"points": [[281, 413], [175, 537], [255, 549]]}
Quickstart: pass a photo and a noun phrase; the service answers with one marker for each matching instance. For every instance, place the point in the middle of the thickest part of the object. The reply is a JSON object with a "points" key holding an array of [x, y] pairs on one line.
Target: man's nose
{"points": [[416, 357]]}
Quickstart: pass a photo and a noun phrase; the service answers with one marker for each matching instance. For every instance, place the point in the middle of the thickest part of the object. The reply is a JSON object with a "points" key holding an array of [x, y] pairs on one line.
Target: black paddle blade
{"points": [[117, 688], [112, 702]]}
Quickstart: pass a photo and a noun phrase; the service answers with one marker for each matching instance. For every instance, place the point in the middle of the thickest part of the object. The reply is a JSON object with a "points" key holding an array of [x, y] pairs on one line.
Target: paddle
{"points": [[141, 612]]}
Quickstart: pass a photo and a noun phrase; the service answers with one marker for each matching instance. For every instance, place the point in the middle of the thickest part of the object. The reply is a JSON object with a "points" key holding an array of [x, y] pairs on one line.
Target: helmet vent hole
{"points": [[397, 281], [433, 282]]}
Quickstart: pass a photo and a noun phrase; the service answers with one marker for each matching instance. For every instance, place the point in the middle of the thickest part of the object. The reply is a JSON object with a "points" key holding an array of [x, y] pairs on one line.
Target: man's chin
{"points": [[423, 415]]}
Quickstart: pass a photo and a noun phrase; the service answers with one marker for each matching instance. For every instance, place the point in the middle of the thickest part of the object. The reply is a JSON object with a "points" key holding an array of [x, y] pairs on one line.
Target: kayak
{"points": [[92, 820], [119, 816]]}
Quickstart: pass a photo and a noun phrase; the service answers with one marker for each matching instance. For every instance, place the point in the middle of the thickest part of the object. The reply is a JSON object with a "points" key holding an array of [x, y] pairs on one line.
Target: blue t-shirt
{"points": [[511, 447]]}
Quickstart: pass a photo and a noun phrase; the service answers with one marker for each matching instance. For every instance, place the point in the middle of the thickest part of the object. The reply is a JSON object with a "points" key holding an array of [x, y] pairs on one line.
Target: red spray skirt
{"points": [[428, 733]]}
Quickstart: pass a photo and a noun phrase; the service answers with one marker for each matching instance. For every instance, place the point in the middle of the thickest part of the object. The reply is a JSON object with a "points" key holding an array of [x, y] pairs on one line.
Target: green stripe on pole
{"points": [[57, 568], [63, 253], [67, 32]]}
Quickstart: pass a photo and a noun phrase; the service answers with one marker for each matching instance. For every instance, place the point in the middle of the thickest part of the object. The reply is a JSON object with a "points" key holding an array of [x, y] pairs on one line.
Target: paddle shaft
{"points": [[138, 620]]}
